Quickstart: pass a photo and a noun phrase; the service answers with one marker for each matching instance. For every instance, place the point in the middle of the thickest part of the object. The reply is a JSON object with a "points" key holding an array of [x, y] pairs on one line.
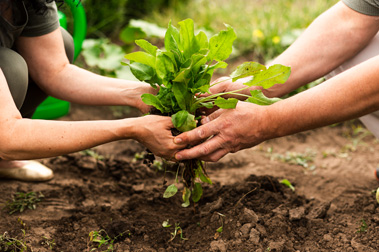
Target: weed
{"points": [[363, 227], [101, 238], [221, 228], [50, 243], [21, 201], [92, 153], [8, 243], [302, 159], [287, 183], [177, 231]]}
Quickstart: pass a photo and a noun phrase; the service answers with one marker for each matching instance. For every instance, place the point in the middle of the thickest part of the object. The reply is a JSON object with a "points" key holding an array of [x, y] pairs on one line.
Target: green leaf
{"points": [[201, 174], [259, 98], [276, 74], [197, 192], [247, 69], [166, 224], [142, 57], [226, 103], [171, 190], [129, 34], [171, 42], [141, 71], [183, 121], [188, 43], [202, 40], [220, 229], [145, 45], [186, 196], [221, 45], [150, 29], [152, 100], [164, 65], [287, 183]]}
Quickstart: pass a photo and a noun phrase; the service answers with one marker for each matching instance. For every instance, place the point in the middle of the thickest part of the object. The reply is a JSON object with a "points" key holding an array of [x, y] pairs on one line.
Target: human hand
{"points": [[225, 131], [154, 132], [225, 84]]}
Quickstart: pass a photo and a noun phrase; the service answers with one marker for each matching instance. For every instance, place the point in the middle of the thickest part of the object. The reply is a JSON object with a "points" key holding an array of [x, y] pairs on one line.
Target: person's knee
{"points": [[68, 45], [15, 71]]}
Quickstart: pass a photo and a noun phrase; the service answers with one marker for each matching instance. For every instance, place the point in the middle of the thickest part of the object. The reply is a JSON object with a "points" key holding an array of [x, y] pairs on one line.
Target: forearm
{"points": [[349, 95], [334, 37], [30, 139], [80, 86]]}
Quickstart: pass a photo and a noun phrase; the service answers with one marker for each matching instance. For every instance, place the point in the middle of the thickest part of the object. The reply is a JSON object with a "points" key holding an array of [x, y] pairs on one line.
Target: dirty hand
{"points": [[154, 132], [224, 131]]}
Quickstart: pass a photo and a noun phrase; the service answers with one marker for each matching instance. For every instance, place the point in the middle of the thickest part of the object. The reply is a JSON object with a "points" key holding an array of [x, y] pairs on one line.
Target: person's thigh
{"points": [[371, 121], [35, 96], [16, 73]]}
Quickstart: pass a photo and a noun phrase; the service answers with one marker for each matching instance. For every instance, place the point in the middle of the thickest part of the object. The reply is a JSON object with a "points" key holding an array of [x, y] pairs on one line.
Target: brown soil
{"points": [[333, 207]]}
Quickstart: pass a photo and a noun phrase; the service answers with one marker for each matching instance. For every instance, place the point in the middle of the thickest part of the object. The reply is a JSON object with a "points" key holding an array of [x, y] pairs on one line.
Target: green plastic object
{"points": [[53, 108]]}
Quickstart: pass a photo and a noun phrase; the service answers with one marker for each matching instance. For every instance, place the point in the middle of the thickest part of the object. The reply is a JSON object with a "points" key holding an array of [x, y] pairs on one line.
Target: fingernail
{"points": [[178, 140], [178, 156]]}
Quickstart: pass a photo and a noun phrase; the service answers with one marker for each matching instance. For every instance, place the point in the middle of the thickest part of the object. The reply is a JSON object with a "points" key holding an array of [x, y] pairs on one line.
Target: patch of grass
{"points": [[265, 27], [363, 227], [8, 243], [21, 201], [50, 243], [303, 159], [92, 153], [101, 239]]}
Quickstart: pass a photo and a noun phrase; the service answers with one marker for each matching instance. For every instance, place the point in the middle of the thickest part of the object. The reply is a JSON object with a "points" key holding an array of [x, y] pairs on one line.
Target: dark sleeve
{"points": [[41, 24], [367, 7]]}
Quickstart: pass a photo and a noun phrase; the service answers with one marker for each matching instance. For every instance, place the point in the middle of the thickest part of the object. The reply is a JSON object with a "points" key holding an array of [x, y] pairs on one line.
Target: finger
{"points": [[202, 150], [196, 135], [212, 116], [215, 156]]}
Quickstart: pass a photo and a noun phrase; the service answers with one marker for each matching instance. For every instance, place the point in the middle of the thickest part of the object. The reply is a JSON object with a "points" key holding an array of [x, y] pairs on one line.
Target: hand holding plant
{"points": [[183, 71]]}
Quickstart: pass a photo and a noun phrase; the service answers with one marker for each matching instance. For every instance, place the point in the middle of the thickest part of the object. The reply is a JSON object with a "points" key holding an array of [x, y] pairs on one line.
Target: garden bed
{"points": [[333, 207]]}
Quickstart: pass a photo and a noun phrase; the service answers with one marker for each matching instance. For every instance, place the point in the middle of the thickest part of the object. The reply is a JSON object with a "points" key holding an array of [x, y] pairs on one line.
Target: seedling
{"points": [[177, 231], [21, 201], [50, 243], [101, 238], [221, 228], [287, 183], [302, 159], [8, 243], [363, 227], [182, 72], [92, 153]]}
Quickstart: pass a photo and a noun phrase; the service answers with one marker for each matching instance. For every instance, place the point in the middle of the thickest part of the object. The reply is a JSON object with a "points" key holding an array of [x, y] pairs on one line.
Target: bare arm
{"points": [[49, 67], [334, 37], [30, 139], [351, 94]]}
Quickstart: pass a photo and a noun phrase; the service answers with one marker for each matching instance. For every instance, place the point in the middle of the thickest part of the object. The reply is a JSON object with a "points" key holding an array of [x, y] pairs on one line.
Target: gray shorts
{"points": [[371, 121], [25, 92]]}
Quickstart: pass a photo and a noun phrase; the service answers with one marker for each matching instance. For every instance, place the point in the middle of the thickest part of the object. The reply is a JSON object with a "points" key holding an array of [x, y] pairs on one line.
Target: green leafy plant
{"points": [[287, 183], [363, 227], [101, 238], [177, 231], [21, 201], [182, 72], [8, 243], [50, 243]]}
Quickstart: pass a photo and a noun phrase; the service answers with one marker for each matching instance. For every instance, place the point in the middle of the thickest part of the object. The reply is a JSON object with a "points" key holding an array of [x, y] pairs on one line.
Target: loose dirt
{"points": [[332, 208]]}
